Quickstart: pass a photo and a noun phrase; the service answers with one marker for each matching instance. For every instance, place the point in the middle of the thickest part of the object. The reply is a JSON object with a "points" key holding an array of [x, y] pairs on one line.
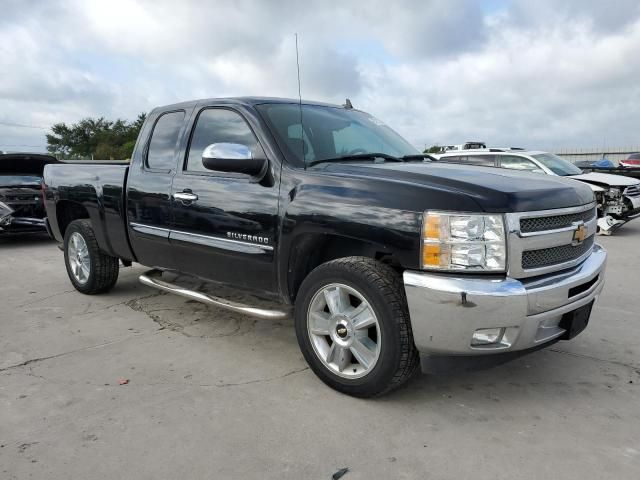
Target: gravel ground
{"points": [[212, 394]]}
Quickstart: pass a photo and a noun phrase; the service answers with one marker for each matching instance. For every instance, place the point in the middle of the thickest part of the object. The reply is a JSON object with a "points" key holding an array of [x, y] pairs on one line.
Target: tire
{"points": [[99, 271], [332, 343]]}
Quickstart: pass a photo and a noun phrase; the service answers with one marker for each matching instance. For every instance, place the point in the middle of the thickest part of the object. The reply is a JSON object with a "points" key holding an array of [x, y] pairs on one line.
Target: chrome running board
{"points": [[150, 279]]}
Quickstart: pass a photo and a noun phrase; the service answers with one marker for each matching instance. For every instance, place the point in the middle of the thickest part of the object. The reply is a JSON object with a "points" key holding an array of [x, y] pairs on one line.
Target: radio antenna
{"points": [[300, 104]]}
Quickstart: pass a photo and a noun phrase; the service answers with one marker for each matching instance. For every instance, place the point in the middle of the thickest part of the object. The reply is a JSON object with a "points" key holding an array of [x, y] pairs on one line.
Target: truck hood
{"points": [[493, 189], [24, 163], [606, 179]]}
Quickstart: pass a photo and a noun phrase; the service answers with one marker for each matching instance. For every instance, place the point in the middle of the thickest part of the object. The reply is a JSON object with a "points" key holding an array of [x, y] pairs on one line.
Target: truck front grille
{"points": [[542, 242], [19, 198], [540, 224], [545, 257], [25, 202]]}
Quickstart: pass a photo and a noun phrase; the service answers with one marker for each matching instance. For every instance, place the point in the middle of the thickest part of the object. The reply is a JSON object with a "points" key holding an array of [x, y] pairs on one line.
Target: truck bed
{"points": [[99, 189]]}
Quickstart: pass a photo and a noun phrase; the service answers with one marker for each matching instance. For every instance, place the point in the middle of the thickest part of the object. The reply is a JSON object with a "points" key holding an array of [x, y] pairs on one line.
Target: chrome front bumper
{"points": [[447, 309]]}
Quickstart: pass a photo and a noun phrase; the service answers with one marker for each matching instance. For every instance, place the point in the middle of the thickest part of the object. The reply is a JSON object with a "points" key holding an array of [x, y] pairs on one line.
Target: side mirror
{"points": [[233, 158]]}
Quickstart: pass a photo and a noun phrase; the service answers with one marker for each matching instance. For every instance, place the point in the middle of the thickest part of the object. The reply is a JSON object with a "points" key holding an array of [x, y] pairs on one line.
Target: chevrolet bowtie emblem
{"points": [[579, 234]]}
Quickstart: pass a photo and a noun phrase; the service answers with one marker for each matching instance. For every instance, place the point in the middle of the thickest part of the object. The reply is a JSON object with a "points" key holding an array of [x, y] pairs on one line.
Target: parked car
{"points": [[463, 146], [385, 262], [633, 160], [5, 214], [607, 166], [618, 196], [20, 192], [603, 163]]}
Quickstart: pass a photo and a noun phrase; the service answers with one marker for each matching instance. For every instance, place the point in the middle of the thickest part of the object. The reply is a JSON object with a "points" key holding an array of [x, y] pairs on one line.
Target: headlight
{"points": [[454, 241]]}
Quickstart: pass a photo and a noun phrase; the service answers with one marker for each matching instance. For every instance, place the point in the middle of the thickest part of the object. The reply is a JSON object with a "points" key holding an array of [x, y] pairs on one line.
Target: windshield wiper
{"points": [[357, 156]]}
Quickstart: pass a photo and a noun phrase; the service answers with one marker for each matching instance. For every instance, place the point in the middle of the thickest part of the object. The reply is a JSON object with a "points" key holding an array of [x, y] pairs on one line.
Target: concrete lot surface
{"points": [[217, 395]]}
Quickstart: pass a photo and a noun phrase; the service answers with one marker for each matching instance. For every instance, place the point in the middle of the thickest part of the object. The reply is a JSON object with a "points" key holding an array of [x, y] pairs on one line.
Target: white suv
{"points": [[618, 196]]}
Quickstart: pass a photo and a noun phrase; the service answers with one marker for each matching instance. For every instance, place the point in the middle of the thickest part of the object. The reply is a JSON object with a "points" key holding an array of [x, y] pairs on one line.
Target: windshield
{"points": [[557, 165], [18, 179], [330, 132]]}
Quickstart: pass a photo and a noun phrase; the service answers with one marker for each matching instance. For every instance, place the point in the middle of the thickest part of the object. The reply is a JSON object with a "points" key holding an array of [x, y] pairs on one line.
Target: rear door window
{"points": [[164, 139]]}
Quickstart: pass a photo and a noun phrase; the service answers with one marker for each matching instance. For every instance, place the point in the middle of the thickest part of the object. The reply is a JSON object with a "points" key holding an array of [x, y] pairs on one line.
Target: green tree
{"points": [[433, 149], [95, 138]]}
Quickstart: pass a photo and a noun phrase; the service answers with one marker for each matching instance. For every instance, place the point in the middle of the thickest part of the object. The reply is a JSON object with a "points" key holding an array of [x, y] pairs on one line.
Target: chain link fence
{"points": [[613, 154]]}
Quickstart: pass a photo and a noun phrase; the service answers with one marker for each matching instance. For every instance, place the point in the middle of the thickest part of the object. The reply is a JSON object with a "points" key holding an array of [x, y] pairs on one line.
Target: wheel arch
{"points": [[309, 250], [67, 211]]}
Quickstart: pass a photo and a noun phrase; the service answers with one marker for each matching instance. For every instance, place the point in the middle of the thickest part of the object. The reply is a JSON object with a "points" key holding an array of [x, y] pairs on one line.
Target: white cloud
{"points": [[438, 71]]}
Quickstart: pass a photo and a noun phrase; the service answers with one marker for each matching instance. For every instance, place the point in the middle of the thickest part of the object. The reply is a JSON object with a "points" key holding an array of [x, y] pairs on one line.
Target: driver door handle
{"points": [[185, 197]]}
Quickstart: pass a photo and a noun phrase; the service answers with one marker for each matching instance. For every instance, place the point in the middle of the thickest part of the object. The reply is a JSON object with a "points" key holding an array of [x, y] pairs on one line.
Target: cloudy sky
{"points": [[542, 74]]}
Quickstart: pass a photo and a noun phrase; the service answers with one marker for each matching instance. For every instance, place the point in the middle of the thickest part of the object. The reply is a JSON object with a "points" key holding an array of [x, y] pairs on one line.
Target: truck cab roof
{"points": [[246, 101]]}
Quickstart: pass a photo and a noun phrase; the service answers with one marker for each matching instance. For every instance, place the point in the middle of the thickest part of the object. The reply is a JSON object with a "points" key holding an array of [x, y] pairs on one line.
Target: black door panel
{"points": [[228, 232]]}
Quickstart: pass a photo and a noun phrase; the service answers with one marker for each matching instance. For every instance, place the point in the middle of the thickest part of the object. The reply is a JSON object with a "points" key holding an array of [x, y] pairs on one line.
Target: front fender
{"points": [[349, 213]]}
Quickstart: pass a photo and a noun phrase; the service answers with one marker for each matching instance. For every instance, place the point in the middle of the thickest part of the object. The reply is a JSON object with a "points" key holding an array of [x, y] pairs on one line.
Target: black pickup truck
{"points": [[21, 206], [385, 260]]}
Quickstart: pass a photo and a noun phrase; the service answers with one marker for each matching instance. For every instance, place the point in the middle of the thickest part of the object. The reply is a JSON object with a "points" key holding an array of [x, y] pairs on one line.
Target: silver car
{"points": [[618, 197]]}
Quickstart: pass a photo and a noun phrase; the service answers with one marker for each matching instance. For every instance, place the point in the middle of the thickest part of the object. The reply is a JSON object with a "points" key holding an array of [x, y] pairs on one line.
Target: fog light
{"points": [[487, 336]]}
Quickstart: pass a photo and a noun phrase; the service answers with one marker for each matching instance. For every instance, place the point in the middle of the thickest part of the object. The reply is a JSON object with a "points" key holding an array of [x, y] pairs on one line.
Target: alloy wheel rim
{"points": [[78, 257], [344, 331]]}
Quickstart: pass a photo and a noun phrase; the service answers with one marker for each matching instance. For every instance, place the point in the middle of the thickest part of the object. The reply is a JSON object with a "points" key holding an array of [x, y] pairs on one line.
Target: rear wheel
{"points": [[89, 268], [353, 326]]}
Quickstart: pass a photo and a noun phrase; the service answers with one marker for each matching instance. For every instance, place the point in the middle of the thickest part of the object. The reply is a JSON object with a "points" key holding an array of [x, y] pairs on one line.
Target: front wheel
{"points": [[89, 268], [353, 327]]}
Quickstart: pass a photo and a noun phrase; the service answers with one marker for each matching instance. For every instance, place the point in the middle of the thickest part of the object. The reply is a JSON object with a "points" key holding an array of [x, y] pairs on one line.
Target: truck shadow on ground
{"points": [[554, 376], [195, 319], [15, 241]]}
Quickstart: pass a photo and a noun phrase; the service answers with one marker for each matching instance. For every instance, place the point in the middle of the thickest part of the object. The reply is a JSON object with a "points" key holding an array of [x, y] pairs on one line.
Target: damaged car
{"points": [[21, 206], [618, 197]]}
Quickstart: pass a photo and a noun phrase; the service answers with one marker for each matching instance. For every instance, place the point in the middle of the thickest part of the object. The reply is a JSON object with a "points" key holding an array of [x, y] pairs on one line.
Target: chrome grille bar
{"points": [[632, 191]]}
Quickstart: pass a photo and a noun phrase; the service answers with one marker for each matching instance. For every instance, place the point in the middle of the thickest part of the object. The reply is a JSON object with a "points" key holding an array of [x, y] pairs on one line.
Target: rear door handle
{"points": [[185, 197]]}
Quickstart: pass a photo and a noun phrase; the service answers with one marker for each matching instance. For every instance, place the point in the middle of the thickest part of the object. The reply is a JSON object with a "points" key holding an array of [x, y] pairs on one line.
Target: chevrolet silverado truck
{"points": [[385, 262]]}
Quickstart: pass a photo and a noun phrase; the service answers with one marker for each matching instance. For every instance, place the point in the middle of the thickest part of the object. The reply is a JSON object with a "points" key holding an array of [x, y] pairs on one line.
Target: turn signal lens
{"points": [[431, 255], [435, 255], [453, 241], [432, 226]]}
